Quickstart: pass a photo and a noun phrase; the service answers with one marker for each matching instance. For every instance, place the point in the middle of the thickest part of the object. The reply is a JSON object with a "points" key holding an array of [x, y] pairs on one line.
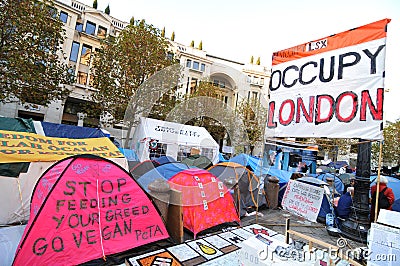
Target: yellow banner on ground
{"points": [[31, 147]]}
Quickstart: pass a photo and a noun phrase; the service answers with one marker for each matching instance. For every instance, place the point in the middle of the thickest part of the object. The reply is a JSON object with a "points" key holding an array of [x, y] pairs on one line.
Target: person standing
{"points": [[385, 200]]}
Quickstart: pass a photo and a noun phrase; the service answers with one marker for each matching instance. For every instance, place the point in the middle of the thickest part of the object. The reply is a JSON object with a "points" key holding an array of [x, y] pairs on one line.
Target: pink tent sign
{"points": [[94, 209]]}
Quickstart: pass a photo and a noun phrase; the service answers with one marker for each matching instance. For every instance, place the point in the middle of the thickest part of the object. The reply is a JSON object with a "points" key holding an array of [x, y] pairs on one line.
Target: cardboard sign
{"points": [[303, 199]]}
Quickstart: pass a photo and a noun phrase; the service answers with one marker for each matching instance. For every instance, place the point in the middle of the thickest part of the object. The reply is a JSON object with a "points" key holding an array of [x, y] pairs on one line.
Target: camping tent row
{"points": [[237, 178]]}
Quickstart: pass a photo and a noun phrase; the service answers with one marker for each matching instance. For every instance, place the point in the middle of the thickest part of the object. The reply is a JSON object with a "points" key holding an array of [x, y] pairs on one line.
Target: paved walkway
{"points": [[276, 220]]}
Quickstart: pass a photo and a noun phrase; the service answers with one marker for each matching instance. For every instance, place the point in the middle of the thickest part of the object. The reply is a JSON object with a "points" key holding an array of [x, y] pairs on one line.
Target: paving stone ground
{"points": [[276, 220]]}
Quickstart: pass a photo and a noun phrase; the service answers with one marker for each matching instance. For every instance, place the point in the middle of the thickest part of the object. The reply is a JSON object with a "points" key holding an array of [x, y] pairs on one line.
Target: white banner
{"points": [[331, 87], [303, 199]]}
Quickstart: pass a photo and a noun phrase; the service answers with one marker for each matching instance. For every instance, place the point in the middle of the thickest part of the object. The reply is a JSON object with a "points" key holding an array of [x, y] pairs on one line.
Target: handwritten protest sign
{"points": [[31, 147], [303, 199]]}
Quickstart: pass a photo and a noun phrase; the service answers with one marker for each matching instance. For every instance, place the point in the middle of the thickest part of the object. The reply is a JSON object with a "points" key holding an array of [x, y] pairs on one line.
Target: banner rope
{"points": [[98, 207]]}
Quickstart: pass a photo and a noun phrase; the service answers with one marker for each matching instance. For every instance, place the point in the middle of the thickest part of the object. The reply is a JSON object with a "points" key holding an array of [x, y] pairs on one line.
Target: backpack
{"points": [[383, 201]]}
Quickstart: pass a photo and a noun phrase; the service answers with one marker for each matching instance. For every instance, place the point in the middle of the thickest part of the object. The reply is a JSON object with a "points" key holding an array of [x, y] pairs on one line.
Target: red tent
{"points": [[206, 200], [84, 208]]}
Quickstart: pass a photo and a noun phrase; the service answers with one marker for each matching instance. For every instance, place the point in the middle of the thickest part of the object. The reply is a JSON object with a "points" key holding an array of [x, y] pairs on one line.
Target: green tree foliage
{"points": [[391, 145], [173, 36], [253, 116], [201, 45], [206, 88], [122, 64], [258, 61], [95, 4], [107, 10], [252, 60], [31, 37], [192, 44]]}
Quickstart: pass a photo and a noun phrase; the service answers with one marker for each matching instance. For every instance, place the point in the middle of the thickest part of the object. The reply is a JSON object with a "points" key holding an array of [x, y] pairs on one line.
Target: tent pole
{"points": [[21, 198], [378, 179]]}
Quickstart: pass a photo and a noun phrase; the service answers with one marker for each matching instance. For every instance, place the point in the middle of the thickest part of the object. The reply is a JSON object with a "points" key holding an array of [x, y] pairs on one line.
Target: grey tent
{"points": [[245, 184]]}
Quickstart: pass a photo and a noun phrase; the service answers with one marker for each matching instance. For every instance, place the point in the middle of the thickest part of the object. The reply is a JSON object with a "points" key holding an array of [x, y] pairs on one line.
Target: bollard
{"points": [[271, 191], [160, 192]]}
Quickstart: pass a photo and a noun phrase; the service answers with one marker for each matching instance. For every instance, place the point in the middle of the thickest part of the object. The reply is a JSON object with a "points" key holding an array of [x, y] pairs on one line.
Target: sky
{"points": [[239, 29]]}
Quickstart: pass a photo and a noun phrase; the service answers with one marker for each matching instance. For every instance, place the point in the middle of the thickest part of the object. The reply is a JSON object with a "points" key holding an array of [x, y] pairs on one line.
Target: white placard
{"points": [[384, 245], [303, 199]]}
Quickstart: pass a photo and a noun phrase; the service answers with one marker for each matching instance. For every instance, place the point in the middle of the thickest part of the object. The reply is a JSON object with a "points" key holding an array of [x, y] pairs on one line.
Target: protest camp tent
{"points": [[165, 171], [247, 184], [143, 167], [197, 160], [155, 138], [85, 208], [206, 200], [164, 159]]}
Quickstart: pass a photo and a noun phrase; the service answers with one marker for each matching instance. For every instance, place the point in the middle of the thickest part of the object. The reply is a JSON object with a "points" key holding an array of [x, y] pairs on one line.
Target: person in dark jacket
{"points": [[343, 209]]}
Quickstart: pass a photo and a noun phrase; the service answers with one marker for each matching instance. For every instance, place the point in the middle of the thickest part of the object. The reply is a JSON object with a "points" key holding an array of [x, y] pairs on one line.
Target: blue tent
{"points": [[165, 159], [165, 171]]}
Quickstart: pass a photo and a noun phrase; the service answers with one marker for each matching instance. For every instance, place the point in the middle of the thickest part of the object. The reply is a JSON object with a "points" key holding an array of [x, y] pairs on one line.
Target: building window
{"points": [[255, 95], [248, 78], [255, 80], [63, 16], [74, 52], [82, 77], [222, 84], [79, 26], [90, 28], [101, 32], [91, 80], [196, 65], [188, 63], [85, 55], [203, 67], [226, 99], [187, 85], [261, 81], [170, 56], [52, 12], [193, 85]]}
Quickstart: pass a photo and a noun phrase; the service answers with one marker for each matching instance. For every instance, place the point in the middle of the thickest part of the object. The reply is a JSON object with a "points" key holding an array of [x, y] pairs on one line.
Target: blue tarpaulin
{"points": [[70, 131], [254, 164]]}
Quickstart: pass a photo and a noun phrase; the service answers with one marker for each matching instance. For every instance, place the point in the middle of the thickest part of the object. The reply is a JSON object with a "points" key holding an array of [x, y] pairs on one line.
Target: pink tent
{"points": [[206, 200], [84, 208]]}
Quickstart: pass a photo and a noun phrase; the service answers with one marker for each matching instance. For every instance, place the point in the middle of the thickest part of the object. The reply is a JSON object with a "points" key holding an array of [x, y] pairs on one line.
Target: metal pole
{"points": [[378, 179]]}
